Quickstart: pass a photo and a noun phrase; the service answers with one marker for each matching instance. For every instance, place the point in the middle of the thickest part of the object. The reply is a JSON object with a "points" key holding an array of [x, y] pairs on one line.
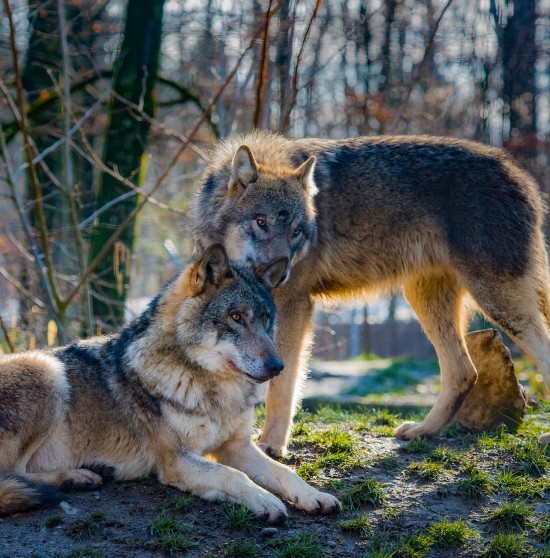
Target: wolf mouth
{"points": [[235, 368]]}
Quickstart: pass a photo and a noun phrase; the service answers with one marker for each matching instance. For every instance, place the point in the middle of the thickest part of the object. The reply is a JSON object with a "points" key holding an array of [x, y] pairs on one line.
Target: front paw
{"points": [[410, 430], [275, 452], [315, 502], [267, 508]]}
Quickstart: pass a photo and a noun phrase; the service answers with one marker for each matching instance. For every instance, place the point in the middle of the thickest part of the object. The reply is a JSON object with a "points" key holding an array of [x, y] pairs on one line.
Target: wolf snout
{"points": [[274, 366]]}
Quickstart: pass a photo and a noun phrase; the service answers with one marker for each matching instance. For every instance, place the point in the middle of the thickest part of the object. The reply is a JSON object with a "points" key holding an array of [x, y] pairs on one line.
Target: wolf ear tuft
{"points": [[273, 273], [244, 169], [212, 269], [305, 174]]}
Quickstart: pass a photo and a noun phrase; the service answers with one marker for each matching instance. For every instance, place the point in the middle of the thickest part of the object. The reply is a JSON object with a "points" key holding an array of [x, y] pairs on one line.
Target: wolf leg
{"points": [[248, 458], [521, 306], [437, 301], [214, 481], [293, 335], [71, 479]]}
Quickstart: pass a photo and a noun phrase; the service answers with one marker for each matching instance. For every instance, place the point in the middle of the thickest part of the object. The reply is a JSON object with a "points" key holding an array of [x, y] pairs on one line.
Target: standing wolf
{"points": [[447, 220], [175, 384]]}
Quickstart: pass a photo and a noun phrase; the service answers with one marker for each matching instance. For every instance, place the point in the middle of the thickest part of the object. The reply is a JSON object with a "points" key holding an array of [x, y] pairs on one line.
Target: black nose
{"points": [[274, 366]]}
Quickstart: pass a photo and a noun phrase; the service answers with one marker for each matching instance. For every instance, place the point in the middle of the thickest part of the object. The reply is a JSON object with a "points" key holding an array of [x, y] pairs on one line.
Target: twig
{"points": [[416, 73], [287, 109], [7, 335], [258, 113]]}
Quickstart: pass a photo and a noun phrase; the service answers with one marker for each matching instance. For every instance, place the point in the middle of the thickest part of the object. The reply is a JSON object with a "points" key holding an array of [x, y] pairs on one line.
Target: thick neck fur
{"points": [[153, 353]]}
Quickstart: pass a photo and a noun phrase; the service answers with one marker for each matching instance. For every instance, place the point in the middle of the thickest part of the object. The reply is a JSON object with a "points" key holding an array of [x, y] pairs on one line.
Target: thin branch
{"points": [[258, 113], [7, 335], [417, 71], [10, 279], [284, 120]]}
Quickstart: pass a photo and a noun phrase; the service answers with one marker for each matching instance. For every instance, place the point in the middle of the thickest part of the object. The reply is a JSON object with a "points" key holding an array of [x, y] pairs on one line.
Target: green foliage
{"points": [[523, 486]]}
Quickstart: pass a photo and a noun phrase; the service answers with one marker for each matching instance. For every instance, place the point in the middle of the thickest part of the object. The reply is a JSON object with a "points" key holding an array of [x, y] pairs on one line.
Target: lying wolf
{"points": [[447, 220], [175, 384]]}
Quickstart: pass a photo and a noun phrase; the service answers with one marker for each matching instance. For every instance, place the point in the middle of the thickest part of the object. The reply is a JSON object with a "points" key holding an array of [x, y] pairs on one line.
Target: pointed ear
{"points": [[273, 273], [305, 174], [244, 169], [212, 269]]}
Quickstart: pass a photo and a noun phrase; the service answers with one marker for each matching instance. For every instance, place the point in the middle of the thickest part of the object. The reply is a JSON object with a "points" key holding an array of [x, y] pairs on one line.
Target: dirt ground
{"points": [[120, 519]]}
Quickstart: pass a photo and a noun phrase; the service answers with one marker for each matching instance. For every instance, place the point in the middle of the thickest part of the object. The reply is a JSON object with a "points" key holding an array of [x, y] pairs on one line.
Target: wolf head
{"points": [[225, 315], [261, 213]]}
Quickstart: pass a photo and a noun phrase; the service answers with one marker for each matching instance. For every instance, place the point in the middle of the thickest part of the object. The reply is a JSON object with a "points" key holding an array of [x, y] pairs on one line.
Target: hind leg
{"points": [[521, 307], [34, 395], [437, 301]]}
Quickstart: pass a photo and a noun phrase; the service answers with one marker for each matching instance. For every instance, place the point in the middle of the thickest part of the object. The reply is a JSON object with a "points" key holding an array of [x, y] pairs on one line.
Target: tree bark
{"points": [[125, 140]]}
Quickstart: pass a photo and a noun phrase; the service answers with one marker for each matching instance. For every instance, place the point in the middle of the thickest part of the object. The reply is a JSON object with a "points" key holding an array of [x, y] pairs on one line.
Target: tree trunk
{"points": [[126, 137]]}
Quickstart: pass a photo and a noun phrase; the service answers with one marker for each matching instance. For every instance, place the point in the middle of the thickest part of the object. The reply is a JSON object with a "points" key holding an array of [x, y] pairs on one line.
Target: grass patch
{"points": [[531, 455], [85, 553], [523, 486], [90, 526], [359, 525], [542, 529], [53, 521], [365, 492], [447, 456], [413, 546], [418, 445], [476, 486], [181, 503], [388, 463], [304, 545], [507, 545], [240, 549], [448, 534], [170, 533], [237, 518], [425, 470], [510, 515]]}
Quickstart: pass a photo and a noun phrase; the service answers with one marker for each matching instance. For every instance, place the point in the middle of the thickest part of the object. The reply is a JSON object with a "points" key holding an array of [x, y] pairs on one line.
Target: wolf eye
{"points": [[261, 222], [297, 231], [236, 317]]}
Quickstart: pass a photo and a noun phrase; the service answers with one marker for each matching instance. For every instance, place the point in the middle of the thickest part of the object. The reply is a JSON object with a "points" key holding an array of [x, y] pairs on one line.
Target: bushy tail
{"points": [[18, 494]]}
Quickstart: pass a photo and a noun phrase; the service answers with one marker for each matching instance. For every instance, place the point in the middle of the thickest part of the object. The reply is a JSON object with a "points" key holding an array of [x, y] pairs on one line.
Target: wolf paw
{"points": [[410, 430], [79, 479], [316, 502], [268, 508], [545, 438], [272, 451]]}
